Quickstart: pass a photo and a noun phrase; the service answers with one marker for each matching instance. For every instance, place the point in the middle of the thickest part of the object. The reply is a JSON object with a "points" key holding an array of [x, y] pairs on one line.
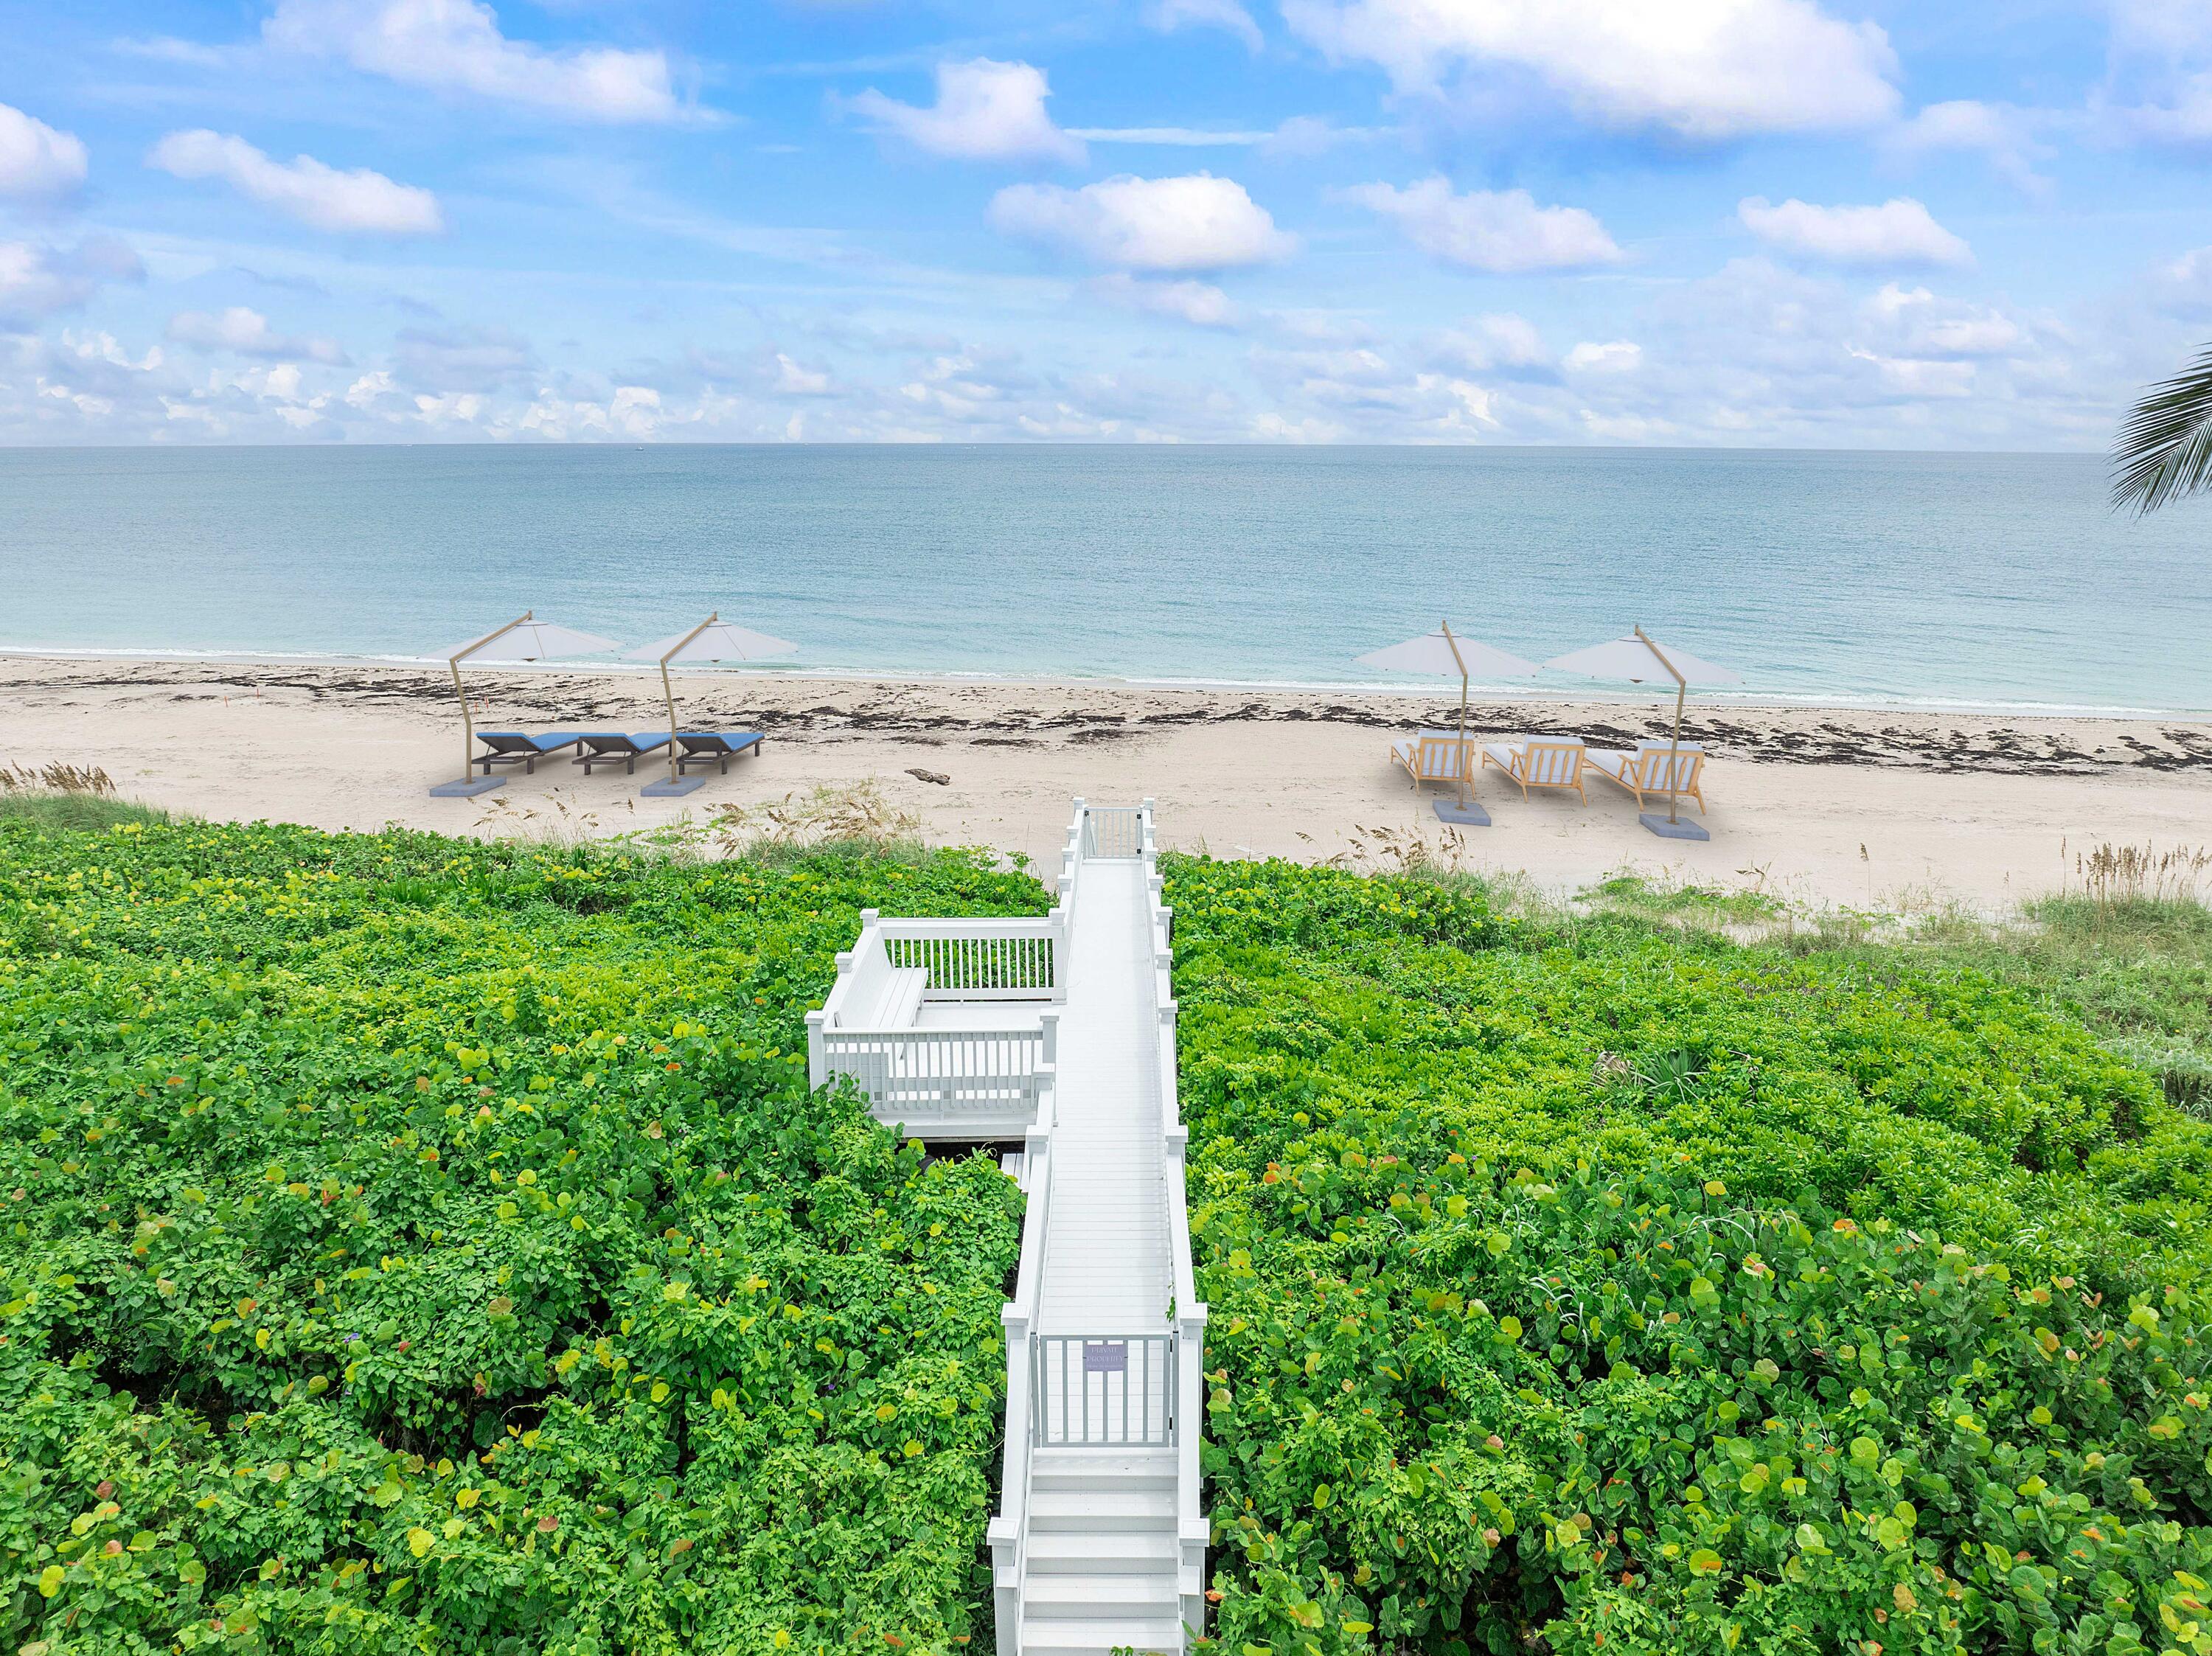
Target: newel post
{"points": [[1048, 1023], [1004, 1532], [1191, 1529], [817, 1060]]}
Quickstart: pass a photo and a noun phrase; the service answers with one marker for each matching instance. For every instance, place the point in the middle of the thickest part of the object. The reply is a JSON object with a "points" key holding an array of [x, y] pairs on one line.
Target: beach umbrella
{"points": [[711, 639], [1446, 652], [524, 638], [1640, 657]]}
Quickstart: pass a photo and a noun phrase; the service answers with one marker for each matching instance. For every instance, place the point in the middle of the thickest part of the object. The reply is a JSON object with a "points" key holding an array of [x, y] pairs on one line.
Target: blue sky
{"points": [[1745, 222]]}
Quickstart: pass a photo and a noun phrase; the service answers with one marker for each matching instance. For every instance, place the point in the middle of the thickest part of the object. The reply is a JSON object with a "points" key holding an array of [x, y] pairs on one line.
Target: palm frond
{"points": [[2163, 449]]}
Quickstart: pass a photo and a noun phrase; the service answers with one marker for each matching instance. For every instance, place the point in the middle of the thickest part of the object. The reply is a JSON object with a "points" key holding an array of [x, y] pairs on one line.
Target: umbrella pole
{"points": [[468, 723], [669, 695], [1674, 754], [1674, 748], [1462, 660]]}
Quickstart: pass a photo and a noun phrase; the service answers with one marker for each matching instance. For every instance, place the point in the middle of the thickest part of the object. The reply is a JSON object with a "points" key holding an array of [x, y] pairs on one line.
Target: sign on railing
{"points": [[1116, 1389]]}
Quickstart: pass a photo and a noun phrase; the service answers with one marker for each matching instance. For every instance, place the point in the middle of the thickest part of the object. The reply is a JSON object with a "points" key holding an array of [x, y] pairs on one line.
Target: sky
{"points": [[1981, 224]]}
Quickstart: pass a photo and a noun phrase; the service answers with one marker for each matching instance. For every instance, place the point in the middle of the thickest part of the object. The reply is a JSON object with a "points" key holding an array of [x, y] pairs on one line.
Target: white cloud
{"points": [[1916, 322], [247, 333], [37, 281], [1707, 69], [36, 160], [1179, 137], [1168, 15], [2006, 135], [1916, 376], [1899, 232], [455, 45], [303, 188], [1496, 341], [793, 380], [1502, 231], [1615, 356], [1199, 303], [1197, 222], [985, 111]]}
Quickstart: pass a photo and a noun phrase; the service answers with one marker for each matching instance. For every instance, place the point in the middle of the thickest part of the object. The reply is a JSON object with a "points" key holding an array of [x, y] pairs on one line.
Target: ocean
{"points": [[1970, 581]]}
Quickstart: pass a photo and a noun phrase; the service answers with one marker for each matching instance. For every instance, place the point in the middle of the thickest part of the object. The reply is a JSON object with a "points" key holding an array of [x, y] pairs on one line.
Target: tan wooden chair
{"points": [[1645, 772], [1432, 756], [1540, 762]]}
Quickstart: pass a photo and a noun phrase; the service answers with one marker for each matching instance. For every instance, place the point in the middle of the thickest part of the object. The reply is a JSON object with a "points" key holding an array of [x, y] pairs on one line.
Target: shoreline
{"points": [[1595, 694], [1902, 809]]}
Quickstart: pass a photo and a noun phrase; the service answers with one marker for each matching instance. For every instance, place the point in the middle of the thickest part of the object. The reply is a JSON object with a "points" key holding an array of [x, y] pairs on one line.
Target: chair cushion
{"points": [[1611, 761], [1503, 753]]}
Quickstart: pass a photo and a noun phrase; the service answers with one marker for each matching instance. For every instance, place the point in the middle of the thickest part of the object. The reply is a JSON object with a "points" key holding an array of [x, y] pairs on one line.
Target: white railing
{"points": [[941, 1076], [1191, 1529], [949, 1071], [1112, 1390], [1009, 1532], [1118, 831], [1017, 961]]}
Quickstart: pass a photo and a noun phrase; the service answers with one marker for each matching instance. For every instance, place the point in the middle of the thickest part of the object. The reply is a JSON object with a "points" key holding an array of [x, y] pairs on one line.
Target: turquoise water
{"points": [[1963, 579]]}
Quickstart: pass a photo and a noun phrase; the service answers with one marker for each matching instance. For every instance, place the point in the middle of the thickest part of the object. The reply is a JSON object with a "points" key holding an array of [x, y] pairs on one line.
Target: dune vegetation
{"points": [[423, 1245]]}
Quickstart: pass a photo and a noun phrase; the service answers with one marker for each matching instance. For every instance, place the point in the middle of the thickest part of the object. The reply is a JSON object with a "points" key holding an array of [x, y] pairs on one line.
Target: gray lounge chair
{"points": [[606, 748], [520, 747]]}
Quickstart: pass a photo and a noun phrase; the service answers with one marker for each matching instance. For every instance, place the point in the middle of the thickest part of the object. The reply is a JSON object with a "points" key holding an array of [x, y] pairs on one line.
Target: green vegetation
{"points": [[1618, 1285], [74, 813], [412, 1245]]}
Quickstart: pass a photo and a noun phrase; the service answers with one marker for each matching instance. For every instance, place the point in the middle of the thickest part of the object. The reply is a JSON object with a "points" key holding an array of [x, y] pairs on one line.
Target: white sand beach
{"points": [[1854, 808]]}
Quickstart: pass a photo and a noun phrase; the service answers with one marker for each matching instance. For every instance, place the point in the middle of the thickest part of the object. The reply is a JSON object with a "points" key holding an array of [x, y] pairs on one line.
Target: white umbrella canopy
{"points": [[1637, 658], [1445, 652], [711, 639], [1450, 655], [1640, 657], [524, 638], [529, 640]]}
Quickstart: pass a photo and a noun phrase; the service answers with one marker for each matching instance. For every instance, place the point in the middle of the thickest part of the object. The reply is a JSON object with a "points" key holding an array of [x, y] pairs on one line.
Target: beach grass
{"points": [[56, 809]]}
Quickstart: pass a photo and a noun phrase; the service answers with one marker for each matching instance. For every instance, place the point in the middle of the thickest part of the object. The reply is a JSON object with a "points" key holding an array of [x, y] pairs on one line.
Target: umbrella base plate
{"points": [[1680, 829], [1469, 815], [468, 790], [671, 788]]}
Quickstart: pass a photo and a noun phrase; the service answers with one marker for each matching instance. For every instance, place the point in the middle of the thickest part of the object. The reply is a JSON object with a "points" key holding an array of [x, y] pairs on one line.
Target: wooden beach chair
{"points": [[1540, 762], [607, 748], [520, 747], [1644, 773], [1432, 756], [715, 747]]}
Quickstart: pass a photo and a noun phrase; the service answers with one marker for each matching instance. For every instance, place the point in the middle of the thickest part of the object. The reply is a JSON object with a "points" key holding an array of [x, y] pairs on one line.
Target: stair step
{"points": [[1125, 1552], [1063, 1468], [1076, 1597], [1148, 1635], [1081, 1509]]}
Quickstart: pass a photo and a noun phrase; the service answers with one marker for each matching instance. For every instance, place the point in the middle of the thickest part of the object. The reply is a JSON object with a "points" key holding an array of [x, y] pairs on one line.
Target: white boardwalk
{"points": [[1061, 1032], [1106, 1256]]}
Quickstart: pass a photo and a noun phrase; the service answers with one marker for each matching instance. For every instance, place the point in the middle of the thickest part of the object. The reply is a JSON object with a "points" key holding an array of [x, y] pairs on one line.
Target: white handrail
{"points": [[1008, 1531]]}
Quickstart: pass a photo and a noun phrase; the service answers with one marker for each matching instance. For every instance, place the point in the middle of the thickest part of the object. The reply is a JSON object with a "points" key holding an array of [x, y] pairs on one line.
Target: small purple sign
{"points": [[1105, 1357]]}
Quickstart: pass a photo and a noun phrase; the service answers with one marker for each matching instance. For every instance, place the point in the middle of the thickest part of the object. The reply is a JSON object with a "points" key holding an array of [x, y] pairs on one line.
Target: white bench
{"points": [[900, 1001]]}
